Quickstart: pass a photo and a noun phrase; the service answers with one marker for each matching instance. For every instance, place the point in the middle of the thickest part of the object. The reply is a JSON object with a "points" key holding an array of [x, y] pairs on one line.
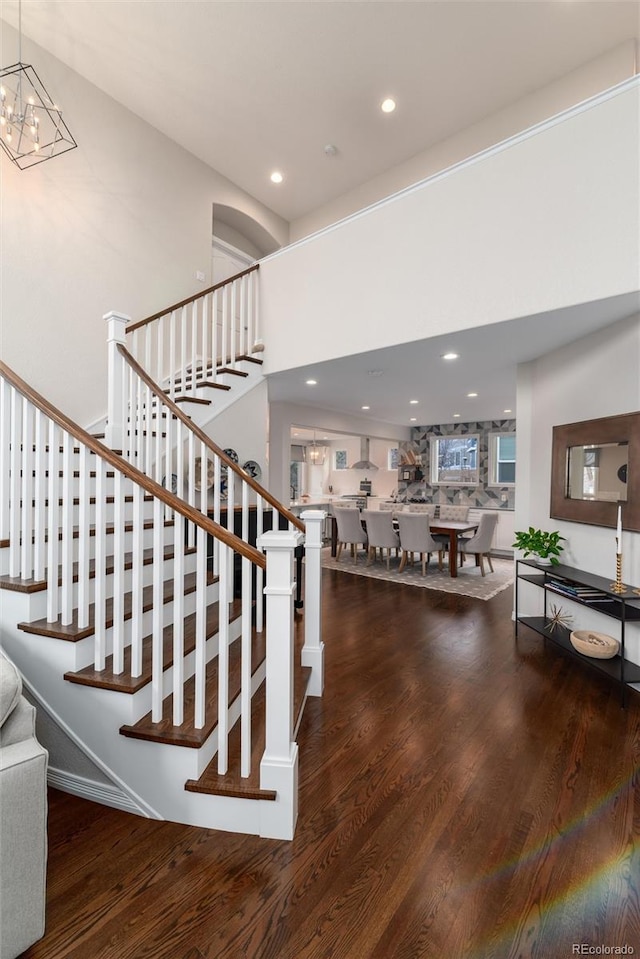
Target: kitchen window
{"points": [[454, 460], [502, 459]]}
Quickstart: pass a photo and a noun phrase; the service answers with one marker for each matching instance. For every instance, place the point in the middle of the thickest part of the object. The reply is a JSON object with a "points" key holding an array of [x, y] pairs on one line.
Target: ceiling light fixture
{"points": [[388, 105], [276, 177], [507, 411], [450, 356], [330, 150], [456, 415], [413, 402], [31, 126], [365, 407], [375, 372], [315, 452], [311, 382], [472, 394], [412, 419]]}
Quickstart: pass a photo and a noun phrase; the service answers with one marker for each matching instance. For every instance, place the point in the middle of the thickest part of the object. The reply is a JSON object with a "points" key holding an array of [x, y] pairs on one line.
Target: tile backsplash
{"points": [[480, 496]]}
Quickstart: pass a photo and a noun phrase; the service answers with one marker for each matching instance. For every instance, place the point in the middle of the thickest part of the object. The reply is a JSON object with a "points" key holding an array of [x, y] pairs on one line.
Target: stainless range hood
{"points": [[364, 463]]}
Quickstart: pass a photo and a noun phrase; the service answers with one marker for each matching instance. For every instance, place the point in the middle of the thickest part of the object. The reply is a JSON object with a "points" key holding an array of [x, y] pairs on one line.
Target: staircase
{"points": [[144, 620]]}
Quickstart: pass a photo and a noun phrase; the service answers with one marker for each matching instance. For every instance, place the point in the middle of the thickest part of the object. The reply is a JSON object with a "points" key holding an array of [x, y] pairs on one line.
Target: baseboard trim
{"points": [[104, 793]]}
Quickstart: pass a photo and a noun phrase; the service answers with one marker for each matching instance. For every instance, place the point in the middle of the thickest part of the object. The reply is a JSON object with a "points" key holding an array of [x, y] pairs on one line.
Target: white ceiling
{"points": [[487, 362], [250, 87]]}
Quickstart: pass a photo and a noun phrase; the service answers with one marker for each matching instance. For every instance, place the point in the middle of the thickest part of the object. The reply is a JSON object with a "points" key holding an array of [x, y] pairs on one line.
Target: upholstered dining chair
{"points": [[387, 506], [350, 531], [415, 537], [428, 508], [480, 544], [456, 514], [380, 533]]}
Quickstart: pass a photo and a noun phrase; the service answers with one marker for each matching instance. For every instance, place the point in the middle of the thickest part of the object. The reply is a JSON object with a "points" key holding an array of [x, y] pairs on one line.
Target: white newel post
{"points": [[313, 649], [116, 402], [279, 765]]}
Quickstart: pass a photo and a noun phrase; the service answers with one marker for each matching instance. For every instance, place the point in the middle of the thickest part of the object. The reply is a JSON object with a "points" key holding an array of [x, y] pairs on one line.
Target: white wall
{"points": [[549, 221], [596, 376], [243, 427], [597, 75], [121, 223], [283, 416]]}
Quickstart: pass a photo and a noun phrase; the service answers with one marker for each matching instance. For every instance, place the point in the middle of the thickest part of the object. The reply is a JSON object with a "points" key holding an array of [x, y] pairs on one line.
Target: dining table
{"points": [[451, 528]]}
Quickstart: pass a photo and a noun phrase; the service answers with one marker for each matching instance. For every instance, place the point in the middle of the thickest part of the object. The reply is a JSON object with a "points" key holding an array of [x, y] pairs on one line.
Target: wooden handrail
{"points": [[179, 414], [191, 299], [131, 472]]}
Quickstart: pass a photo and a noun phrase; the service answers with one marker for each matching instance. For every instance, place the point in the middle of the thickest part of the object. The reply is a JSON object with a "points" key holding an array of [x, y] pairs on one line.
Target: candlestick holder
{"points": [[618, 586]]}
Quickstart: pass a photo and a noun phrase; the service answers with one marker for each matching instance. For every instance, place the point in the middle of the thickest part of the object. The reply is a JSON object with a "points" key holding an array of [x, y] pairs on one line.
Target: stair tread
{"points": [[199, 385], [73, 633], [124, 682], [109, 529], [192, 399], [37, 585], [187, 734], [232, 783]]}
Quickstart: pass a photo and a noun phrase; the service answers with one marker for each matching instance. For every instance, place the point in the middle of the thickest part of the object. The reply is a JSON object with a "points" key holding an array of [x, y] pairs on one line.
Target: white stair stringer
{"points": [[150, 775]]}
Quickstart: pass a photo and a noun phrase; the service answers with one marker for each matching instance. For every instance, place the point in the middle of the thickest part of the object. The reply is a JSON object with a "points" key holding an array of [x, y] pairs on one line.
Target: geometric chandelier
{"points": [[31, 126]]}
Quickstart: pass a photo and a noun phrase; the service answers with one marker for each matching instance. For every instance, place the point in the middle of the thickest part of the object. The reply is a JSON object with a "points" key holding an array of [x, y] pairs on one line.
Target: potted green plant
{"points": [[537, 542]]}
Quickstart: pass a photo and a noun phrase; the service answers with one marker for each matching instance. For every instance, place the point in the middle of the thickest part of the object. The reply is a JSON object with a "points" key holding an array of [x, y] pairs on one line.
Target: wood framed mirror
{"points": [[595, 466]]}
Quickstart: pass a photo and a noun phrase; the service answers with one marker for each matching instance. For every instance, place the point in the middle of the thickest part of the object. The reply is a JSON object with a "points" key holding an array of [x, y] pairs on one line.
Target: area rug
{"points": [[468, 582]]}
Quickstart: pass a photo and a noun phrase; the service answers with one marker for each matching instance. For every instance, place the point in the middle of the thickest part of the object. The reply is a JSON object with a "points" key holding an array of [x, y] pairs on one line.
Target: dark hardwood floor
{"points": [[461, 795]]}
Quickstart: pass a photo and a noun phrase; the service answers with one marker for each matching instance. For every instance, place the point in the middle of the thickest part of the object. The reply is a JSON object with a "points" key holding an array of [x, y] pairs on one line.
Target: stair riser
{"points": [[37, 610], [108, 512], [140, 701]]}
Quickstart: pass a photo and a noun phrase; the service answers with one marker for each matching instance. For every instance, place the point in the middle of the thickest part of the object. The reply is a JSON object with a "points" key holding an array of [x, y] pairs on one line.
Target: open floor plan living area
{"points": [[319, 479]]}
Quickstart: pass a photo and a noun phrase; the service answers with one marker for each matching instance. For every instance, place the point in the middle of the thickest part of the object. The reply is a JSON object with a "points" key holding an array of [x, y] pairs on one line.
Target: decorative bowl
{"points": [[596, 645]]}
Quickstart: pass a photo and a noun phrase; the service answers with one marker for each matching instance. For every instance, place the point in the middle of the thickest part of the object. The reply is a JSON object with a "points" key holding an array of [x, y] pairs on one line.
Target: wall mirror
{"points": [[596, 466]]}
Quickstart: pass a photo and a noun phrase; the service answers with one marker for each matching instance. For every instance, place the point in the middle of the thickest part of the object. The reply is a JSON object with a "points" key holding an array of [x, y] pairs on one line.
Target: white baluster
{"points": [[116, 408], [224, 350], [157, 614], [205, 335], [53, 469], [258, 345], [40, 496], [233, 333], [26, 493], [201, 629], [245, 679], [173, 332], [214, 336], [118, 576], [259, 569], [67, 531], [83, 538], [100, 589], [182, 366], [313, 649], [137, 548], [223, 660], [178, 621]]}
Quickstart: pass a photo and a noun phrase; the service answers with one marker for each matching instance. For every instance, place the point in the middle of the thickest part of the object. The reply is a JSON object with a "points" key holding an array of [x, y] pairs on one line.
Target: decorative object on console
{"points": [[544, 545], [233, 456], [618, 586], [558, 617], [596, 645]]}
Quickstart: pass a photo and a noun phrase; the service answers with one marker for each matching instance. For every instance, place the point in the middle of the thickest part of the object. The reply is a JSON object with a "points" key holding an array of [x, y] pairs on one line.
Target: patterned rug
{"points": [[468, 582]]}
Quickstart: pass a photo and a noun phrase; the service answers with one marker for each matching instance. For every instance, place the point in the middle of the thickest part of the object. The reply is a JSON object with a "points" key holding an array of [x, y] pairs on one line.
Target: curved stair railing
{"points": [[125, 560]]}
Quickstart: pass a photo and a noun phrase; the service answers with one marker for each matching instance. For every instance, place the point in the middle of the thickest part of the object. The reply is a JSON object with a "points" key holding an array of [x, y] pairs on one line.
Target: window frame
{"points": [[434, 457], [494, 447]]}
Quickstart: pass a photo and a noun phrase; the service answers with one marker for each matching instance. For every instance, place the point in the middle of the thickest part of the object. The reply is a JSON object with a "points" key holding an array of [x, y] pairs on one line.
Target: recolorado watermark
{"points": [[585, 949]]}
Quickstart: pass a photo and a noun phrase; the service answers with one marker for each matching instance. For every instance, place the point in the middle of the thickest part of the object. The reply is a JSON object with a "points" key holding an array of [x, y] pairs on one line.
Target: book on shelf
{"points": [[585, 593]]}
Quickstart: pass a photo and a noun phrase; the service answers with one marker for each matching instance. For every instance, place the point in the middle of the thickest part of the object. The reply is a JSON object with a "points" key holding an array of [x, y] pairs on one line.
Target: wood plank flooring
{"points": [[462, 796]]}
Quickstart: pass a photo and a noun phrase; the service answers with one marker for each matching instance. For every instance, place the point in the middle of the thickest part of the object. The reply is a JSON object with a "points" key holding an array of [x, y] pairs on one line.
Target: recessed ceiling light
{"points": [[472, 394], [375, 372], [365, 407], [311, 382], [450, 356], [276, 177], [412, 419], [388, 105], [413, 402], [507, 411], [330, 150], [456, 415]]}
